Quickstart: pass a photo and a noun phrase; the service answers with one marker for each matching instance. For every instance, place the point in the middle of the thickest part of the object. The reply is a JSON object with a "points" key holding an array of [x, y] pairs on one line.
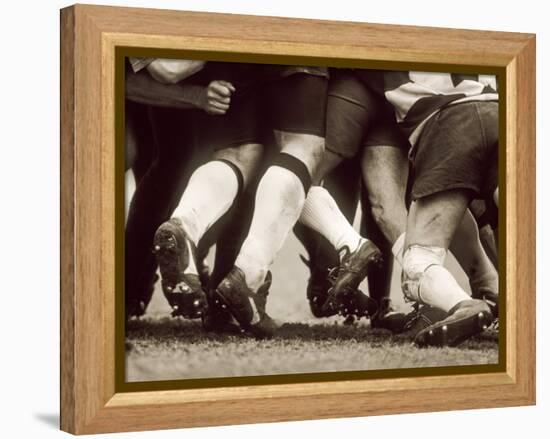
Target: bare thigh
{"points": [[307, 148]]}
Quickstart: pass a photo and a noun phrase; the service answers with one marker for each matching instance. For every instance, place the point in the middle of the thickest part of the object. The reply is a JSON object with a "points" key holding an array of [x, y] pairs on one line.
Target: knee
{"points": [[417, 259], [307, 148], [245, 158]]}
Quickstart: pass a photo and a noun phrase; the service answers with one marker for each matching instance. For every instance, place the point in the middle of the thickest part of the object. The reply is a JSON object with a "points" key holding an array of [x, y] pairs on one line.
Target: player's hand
{"points": [[217, 97]]}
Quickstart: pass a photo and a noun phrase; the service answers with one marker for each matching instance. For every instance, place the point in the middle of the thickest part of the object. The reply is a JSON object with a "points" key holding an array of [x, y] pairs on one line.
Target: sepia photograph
{"points": [[295, 219]]}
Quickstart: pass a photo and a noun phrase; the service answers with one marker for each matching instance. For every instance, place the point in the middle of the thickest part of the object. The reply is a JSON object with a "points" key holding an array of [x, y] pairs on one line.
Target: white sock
{"points": [[428, 281], [321, 213], [209, 194], [279, 200], [397, 249], [439, 288]]}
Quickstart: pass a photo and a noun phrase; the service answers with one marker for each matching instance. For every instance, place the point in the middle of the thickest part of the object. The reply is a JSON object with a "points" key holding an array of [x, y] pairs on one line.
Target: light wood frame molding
{"points": [[89, 36]]}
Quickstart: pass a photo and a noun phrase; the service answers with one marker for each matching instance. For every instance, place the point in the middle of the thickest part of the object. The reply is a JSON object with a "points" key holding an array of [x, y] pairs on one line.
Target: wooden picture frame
{"points": [[90, 36]]}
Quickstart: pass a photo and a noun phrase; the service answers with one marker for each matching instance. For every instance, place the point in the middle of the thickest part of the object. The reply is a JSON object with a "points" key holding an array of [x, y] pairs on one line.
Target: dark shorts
{"points": [[267, 98], [357, 118], [458, 149]]}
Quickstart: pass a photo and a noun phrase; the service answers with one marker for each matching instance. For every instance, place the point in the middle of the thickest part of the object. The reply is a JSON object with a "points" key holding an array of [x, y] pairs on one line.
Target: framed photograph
{"points": [[271, 219]]}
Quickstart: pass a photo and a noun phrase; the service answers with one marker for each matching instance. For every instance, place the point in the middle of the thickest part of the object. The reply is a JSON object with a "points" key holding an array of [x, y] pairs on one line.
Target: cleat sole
{"points": [[453, 332]]}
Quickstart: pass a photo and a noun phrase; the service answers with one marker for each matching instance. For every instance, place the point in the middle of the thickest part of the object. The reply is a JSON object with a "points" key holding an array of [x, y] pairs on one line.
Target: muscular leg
{"points": [[431, 225], [279, 200], [298, 126], [466, 247], [231, 235], [340, 179], [214, 186], [379, 277], [210, 193], [445, 165], [384, 173], [385, 170]]}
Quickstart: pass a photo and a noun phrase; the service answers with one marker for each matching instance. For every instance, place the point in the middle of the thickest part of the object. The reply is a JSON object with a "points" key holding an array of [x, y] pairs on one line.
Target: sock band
{"points": [[295, 166], [238, 173]]}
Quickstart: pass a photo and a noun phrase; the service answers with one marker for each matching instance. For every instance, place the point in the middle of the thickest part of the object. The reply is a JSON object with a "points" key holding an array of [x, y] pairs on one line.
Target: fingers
{"points": [[223, 89], [219, 97], [215, 111], [212, 96], [228, 85], [212, 103]]}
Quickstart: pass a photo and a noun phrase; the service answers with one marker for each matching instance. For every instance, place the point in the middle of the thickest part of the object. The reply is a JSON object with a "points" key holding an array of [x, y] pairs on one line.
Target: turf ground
{"points": [[162, 348]]}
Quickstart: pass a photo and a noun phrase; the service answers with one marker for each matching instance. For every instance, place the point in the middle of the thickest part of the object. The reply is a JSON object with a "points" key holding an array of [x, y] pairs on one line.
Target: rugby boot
{"points": [[344, 296], [421, 317], [318, 285], [218, 319], [489, 296], [174, 250], [466, 319], [386, 317], [246, 306]]}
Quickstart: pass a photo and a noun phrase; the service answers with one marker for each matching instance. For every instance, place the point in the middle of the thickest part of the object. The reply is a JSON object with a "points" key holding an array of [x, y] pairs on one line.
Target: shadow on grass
{"points": [[166, 330]]}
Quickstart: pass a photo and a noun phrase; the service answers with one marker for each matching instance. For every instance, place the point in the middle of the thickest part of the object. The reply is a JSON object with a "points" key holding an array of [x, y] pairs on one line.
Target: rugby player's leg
{"points": [[455, 147], [140, 146], [138, 139], [168, 132], [210, 193], [384, 171], [341, 181], [468, 251], [233, 142], [297, 103], [431, 224], [358, 255], [133, 111], [228, 235], [339, 176], [214, 186], [279, 200], [486, 223], [350, 111], [349, 114]]}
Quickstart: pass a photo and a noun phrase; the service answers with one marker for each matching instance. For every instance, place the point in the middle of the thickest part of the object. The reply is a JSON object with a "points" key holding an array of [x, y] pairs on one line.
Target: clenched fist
{"points": [[217, 97]]}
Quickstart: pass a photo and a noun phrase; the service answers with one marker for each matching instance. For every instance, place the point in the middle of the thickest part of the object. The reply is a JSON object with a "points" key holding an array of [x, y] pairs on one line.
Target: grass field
{"points": [[162, 348], [174, 349]]}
